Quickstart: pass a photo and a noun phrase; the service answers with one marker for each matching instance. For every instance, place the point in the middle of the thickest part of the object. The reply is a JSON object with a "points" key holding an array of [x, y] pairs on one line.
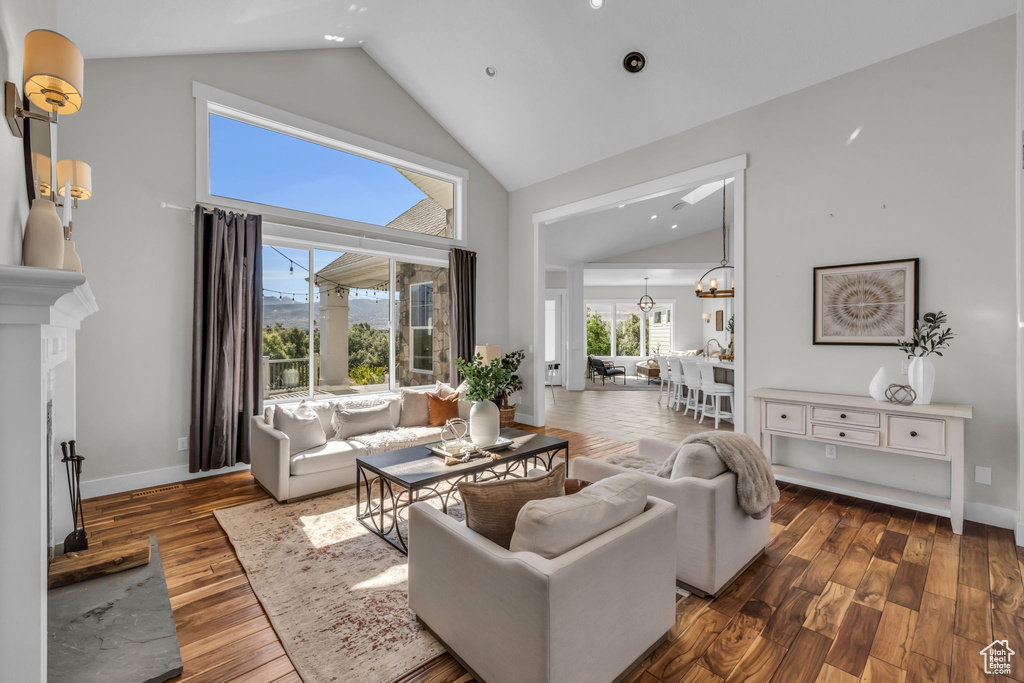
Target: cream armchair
{"points": [[514, 617], [715, 539]]}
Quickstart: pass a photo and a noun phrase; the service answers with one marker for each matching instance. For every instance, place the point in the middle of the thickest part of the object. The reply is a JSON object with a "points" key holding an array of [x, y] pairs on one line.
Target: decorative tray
{"points": [[446, 449]]}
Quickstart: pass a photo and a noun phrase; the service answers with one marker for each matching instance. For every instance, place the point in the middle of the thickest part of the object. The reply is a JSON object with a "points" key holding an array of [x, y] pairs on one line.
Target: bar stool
{"points": [[692, 380], [714, 392], [551, 376], [665, 378]]}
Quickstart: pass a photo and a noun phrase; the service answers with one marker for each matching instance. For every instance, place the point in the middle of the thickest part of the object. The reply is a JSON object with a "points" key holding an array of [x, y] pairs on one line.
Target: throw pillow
{"points": [[697, 460], [492, 506], [301, 426], [415, 409], [444, 390], [555, 526], [440, 409], [355, 421]]}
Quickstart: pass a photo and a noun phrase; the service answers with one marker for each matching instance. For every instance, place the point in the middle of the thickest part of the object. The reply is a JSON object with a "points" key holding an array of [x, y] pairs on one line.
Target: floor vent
{"points": [[150, 492]]}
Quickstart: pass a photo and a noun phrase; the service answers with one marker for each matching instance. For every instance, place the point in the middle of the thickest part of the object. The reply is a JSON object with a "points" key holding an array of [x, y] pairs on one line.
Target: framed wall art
{"points": [[719, 321], [866, 303]]}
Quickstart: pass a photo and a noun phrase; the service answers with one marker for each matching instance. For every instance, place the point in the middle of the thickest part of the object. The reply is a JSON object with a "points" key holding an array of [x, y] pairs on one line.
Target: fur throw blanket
{"points": [[755, 483]]}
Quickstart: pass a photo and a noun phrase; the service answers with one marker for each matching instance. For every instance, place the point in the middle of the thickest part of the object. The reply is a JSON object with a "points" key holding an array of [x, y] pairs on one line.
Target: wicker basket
{"points": [[508, 415]]}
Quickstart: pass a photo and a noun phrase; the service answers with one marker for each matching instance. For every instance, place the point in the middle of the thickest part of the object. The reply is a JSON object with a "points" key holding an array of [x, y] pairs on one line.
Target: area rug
{"points": [[633, 383], [335, 593]]}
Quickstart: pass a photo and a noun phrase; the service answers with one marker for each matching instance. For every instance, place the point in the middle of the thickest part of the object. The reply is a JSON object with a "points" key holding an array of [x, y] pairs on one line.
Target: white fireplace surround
{"points": [[40, 312]]}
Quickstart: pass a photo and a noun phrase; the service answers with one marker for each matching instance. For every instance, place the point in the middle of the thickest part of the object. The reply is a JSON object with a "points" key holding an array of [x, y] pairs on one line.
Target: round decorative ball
{"points": [[903, 394]]}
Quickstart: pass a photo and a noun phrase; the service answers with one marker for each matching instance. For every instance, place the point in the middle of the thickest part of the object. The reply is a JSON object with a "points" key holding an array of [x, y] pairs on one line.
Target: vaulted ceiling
{"points": [[560, 98]]}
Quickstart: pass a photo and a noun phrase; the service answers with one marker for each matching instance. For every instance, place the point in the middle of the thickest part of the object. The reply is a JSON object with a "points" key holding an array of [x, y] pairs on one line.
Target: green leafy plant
{"points": [[368, 374], [730, 326], [483, 382], [929, 337], [511, 362]]}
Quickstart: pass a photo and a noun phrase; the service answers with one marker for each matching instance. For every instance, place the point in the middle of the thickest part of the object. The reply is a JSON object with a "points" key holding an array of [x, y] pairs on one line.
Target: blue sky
{"points": [[258, 165]]}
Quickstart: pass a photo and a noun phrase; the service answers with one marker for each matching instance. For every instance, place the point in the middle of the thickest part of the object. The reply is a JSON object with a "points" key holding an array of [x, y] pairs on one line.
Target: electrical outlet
{"points": [[830, 451], [905, 366], [983, 475], [182, 443]]}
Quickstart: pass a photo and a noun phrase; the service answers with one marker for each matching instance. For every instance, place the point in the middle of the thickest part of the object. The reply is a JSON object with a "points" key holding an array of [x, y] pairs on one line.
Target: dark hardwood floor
{"points": [[846, 591]]}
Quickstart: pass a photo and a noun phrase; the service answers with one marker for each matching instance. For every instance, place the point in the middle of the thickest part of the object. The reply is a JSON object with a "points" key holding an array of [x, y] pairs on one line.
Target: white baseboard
{"points": [[527, 419], [1004, 518], [1020, 533], [149, 479]]}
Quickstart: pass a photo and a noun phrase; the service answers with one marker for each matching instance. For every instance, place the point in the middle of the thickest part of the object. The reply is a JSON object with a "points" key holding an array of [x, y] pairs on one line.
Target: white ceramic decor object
{"points": [[484, 423], [43, 245], [71, 258], [879, 383], [922, 379]]}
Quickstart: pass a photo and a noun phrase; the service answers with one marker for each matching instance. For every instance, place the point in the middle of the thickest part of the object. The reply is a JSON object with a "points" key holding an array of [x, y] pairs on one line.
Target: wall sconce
{"points": [[54, 74], [706, 317]]}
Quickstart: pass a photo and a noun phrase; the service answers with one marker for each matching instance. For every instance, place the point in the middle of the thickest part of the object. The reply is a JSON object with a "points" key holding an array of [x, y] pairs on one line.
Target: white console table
{"points": [[934, 431]]}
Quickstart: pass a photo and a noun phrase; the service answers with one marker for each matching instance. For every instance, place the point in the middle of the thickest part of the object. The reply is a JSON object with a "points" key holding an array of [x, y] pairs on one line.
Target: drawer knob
{"points": [[783, 416], [913, 433], [842, 416], [842, 433]]}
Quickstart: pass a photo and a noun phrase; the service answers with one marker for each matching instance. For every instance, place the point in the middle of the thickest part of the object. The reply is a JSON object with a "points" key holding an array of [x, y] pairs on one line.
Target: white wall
{"points": [[137, 131], [930, 175], [17, 18], [711, 307]]}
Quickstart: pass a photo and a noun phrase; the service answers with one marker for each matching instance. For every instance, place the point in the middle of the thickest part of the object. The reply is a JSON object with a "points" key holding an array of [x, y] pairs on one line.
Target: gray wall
{"points": [[704, 247], [17, 18], [134, 361], [931, 175]]}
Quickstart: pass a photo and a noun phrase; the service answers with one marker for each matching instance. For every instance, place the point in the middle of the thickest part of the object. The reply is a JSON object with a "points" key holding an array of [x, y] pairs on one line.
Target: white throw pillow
{"points": [[553, 526], [301, 426], [697, 460], [325, 411], [352, 422]]}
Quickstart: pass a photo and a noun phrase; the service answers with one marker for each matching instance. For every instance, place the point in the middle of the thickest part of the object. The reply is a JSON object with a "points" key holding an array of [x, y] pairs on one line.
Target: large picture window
{"points": [[620, 329], [366, 336]]}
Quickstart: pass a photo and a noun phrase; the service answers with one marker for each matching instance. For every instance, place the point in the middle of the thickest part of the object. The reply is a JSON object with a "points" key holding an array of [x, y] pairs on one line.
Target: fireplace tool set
{"points": [[76, 540]]}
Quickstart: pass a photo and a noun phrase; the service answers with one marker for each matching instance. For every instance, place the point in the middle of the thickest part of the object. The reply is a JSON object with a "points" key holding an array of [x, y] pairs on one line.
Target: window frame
{"points": [[293, 237], [629, 303], [210, 100], [413, 328]]}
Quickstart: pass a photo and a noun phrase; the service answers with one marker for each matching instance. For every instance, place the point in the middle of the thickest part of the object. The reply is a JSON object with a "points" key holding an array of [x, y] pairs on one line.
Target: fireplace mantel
{"points": [[40, 311]]}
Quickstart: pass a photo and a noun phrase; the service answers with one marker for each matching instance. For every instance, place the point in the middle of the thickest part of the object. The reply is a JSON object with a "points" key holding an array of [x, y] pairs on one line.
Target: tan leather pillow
{"points": [[492, 506], [440, 410]]}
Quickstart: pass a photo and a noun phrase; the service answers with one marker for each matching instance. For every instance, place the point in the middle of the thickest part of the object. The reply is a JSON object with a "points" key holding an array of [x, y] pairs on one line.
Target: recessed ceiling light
{"points": [[336, 39], [654, 216], [491, 71], [675, 226], [597, 4], [622, 206]]}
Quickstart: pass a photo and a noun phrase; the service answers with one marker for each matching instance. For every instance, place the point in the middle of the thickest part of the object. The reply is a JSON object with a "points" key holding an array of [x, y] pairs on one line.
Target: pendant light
{"points": [[646, 303], [714, 291]]}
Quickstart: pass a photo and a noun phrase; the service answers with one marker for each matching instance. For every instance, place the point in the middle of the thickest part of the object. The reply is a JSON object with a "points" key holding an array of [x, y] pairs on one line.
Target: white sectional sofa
{"points": [[287, 476]]}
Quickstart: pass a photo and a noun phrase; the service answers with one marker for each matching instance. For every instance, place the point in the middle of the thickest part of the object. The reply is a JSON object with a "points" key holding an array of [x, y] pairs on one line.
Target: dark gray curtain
{"points": [[462, 281], [227, 322]]}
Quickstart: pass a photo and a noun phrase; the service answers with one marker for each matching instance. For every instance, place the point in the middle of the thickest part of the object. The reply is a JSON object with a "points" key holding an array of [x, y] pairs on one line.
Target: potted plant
{"points": [[484, 384], [730, 327], [510, 362], [929, 338]]}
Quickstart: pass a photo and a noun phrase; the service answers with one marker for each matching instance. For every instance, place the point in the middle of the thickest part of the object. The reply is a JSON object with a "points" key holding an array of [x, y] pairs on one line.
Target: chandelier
{"points": [[646, 303], [714, 291]]}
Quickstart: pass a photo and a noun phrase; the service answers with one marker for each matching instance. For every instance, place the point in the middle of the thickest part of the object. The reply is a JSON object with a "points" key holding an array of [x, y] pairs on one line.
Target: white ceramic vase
{"points": [[879, 383], [922, 379], [484, 423], [43, 245]]}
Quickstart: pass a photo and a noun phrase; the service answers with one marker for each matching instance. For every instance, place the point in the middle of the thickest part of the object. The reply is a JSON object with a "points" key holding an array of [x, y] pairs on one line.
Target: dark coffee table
{"points": [[407, 475]]}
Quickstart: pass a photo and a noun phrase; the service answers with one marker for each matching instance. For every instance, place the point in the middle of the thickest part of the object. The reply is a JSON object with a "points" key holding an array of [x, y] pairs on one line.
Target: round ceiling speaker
{"points": [[634, 62]]}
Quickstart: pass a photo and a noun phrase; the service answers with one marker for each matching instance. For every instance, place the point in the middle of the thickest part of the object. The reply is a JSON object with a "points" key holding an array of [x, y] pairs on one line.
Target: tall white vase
{"points": [[879, 383], [922, 379], [484, 423], [43, 245], [71, 259]]}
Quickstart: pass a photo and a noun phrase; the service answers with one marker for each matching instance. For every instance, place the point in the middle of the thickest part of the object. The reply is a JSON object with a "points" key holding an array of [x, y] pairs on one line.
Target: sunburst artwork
{"points": [[865, 303]]}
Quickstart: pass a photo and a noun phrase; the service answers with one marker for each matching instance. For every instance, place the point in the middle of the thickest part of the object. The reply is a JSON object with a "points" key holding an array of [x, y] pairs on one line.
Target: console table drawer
{"points": [[785, 417], [917, 434], [840, 416], [859, 437]]}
